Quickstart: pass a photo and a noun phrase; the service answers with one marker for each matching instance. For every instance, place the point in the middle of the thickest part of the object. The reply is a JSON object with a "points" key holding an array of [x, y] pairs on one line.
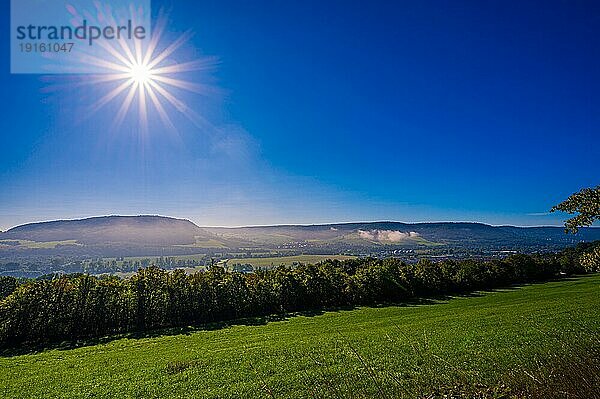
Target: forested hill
{"points": [[111, 229]]}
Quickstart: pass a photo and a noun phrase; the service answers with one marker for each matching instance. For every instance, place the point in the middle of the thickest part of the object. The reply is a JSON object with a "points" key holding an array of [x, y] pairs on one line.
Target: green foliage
{"points": [[7, 286], [79, 306], [580, 259], [585, 202], [590, 260]]}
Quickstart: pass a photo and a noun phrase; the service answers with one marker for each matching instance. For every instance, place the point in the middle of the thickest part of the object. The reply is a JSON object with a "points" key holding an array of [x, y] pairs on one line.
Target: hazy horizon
{"points": [[278, 224]]}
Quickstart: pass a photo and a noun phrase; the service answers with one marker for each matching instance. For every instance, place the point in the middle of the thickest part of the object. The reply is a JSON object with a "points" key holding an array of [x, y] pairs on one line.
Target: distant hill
{"points": [[141, 230], [370, 234]]}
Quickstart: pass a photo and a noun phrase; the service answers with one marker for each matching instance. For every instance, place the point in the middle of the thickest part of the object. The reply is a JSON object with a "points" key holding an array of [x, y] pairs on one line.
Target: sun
{"points": [[140, 73], [146, 76]]}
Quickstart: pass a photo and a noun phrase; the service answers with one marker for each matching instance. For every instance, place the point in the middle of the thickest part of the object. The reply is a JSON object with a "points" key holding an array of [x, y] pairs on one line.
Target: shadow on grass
{"points": [[264, 320], [163, 332]]}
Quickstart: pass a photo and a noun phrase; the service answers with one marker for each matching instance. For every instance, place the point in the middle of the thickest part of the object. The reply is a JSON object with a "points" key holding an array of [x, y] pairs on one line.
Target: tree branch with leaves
{"points": [[586, 203]]}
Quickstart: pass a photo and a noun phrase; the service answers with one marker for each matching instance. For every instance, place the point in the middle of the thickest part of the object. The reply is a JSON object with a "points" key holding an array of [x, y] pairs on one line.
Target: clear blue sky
{"points": [[330, 111]]}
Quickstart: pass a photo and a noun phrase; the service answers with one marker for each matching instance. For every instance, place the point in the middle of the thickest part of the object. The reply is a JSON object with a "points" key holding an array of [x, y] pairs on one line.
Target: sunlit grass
{"points": [[408, 349], [37, 244]]}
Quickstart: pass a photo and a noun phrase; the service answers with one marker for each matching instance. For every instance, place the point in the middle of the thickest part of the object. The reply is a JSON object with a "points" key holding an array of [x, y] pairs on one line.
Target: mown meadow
{"points": [[479, 342]]}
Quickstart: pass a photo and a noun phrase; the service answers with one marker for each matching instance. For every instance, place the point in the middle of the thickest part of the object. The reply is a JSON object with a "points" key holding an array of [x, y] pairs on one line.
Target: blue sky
{"points": [[329, 111]]}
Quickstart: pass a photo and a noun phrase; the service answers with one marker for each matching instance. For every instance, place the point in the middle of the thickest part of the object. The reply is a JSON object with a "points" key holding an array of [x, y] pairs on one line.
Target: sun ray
{"points": [[182, 84], [59, 83], [160, 109], [108, 78], [95, 61], [143, 112], [112, 51], [110, 95], [123, 43], [196, 65], [170, 49], [157, 33], [124, 107], [179, 105], [137, 44]]}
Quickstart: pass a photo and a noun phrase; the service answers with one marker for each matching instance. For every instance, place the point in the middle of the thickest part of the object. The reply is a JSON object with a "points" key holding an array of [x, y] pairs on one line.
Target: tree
{"points": [[7, 286], [585, 202], [590, 260]]}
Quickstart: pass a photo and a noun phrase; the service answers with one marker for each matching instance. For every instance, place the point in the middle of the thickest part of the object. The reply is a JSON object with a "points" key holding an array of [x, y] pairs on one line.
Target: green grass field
{"points": [[347, 353], [38, 244]]}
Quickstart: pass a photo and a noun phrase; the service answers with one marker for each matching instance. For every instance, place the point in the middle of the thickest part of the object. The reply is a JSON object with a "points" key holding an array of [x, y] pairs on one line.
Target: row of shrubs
{"points": [[71, 307]]}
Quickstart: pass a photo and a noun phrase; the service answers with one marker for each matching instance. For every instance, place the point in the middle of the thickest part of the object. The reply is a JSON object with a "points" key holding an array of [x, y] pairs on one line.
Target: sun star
{"points": [[140, 73], [143, 73]]}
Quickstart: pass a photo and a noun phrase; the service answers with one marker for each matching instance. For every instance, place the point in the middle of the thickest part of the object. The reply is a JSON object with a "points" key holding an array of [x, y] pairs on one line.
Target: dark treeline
{"points": [[95, 266], [80, 306]]}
